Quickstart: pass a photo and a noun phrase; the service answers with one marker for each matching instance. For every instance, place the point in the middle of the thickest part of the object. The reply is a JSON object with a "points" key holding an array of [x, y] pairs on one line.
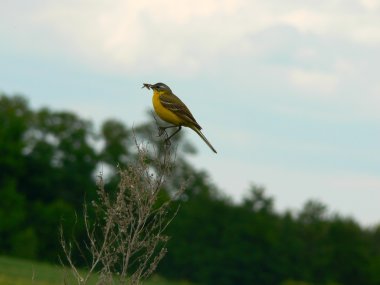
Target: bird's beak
{"points": [[147, 85]]}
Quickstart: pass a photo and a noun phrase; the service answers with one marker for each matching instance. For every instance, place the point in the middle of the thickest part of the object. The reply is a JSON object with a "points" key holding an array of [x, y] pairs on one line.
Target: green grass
{"points": [[15, 271]]}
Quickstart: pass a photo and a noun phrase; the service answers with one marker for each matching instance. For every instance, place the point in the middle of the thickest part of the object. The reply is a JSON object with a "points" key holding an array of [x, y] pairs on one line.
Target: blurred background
{"points": [[287, 92]]}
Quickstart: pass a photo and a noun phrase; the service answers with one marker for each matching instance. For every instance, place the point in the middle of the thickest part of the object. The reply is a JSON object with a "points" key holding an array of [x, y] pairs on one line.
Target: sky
{"points": [[287, 91]]}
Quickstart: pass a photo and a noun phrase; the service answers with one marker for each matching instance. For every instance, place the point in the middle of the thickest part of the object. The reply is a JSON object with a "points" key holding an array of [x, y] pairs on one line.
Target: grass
{"points": [[14, 271]]}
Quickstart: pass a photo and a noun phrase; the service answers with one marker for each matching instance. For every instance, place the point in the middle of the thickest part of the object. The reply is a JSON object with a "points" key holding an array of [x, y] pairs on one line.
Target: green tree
{"points": [[12, 214], [60, 158], [315, 253], [117, 141], [350, 253], [53, 216], [14, 117]]}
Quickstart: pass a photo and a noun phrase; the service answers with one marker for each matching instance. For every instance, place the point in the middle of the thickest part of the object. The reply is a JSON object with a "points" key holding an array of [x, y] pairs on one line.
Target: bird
{"points": [[172, 110]]}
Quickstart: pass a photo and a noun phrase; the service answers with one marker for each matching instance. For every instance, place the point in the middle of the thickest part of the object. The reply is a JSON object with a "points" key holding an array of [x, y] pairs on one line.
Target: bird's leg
{"points": [[161, 130], [179, 128]]}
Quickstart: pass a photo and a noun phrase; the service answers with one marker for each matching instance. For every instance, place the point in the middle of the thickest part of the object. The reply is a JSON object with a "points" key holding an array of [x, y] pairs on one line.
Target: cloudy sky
{"points": [[288, 92]]}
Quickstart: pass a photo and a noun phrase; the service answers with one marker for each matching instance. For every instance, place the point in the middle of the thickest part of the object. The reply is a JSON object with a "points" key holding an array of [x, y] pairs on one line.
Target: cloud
{"points": [[314, 82], [326, 50], [371, 5], [307, 20], [129, 34], [184, 36]]}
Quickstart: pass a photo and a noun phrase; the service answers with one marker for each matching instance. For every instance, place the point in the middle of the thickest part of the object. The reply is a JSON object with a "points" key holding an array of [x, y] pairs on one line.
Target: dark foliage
{"points": [[48, 164]]}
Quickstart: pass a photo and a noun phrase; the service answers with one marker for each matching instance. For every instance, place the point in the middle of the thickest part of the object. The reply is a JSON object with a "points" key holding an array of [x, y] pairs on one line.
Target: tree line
{"points": [[49, 162]]}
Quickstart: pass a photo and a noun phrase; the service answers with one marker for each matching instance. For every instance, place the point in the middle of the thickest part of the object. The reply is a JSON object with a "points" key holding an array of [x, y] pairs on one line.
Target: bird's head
{"points": [[159, 87]]}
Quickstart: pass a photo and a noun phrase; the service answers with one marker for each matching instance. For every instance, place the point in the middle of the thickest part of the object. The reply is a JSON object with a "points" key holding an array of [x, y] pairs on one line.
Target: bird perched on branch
{"points": [[172, 110]]}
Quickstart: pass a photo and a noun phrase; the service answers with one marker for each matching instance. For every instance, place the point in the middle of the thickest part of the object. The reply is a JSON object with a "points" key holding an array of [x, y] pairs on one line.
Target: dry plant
{"points": [[127, 241]]}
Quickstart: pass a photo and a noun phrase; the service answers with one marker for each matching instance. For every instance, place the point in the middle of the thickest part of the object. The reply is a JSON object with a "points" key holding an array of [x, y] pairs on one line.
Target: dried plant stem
{"points": [[126, 241]]}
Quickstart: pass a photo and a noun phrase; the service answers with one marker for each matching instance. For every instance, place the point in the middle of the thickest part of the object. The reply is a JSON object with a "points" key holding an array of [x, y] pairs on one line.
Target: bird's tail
{"points": [[203, 137]]}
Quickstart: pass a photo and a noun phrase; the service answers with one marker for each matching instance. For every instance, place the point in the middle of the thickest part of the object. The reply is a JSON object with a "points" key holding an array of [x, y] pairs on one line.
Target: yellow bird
{"points": [[172, 110]]}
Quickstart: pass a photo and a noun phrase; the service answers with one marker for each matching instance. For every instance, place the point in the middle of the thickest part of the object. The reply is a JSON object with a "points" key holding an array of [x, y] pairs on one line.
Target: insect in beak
{"points": [[147, 85]]}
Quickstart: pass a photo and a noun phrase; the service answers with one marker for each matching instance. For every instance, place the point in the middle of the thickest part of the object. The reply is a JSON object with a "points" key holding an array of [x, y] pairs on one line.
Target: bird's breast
{"points": [[163, 112]]}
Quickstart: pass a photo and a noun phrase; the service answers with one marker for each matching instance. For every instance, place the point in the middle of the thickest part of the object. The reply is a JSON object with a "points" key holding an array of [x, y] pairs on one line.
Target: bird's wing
{"points": [[174, 104]]}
